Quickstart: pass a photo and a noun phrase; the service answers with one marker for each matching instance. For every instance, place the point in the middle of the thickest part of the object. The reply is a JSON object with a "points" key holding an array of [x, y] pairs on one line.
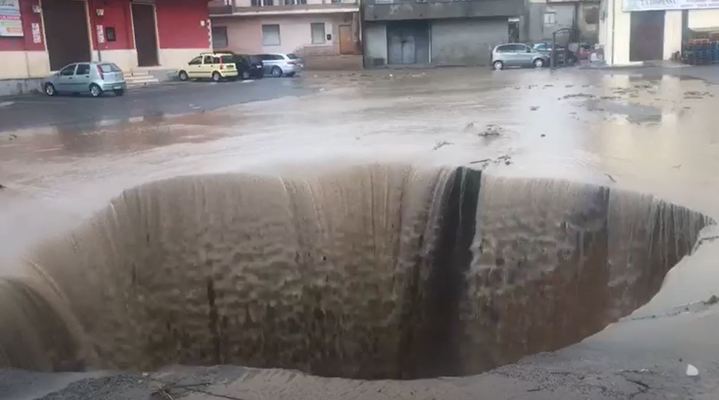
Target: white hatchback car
{"points": [[215, 66]]}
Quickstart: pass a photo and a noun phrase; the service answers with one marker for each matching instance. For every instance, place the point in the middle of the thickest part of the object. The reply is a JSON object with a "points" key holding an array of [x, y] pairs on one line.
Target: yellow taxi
{"points": [[215, 66]]}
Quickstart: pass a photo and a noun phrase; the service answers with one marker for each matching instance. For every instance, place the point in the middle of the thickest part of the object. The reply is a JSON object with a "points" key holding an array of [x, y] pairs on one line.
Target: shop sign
{"points": [[646, 5], [10, 22]]}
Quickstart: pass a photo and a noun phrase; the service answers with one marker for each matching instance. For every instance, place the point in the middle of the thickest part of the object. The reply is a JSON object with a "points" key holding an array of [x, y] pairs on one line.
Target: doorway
{"points": [[408, 42], [143, 19], [347, 45], [68, 40], [646, 40]]}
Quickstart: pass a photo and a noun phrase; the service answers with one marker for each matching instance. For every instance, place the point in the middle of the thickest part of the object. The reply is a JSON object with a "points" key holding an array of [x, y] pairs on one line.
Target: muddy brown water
{"points": [[377, 271]]}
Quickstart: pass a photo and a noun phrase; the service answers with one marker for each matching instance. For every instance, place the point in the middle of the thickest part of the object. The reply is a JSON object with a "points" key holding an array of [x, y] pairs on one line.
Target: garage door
{"points": [[467, 41], [66, 31], [646, 40], [408, 42]]}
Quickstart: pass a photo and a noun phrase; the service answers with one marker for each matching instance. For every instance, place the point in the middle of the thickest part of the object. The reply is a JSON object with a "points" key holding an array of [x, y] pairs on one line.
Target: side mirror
{"points": [[529, 50]]}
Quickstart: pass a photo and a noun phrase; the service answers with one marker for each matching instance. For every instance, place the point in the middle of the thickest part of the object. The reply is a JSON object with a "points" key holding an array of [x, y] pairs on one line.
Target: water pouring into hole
{"points": [[372, 272]]}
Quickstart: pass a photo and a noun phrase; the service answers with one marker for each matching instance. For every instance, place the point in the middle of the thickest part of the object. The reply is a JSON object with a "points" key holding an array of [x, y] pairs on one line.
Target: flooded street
{"points": [[624, 160]]}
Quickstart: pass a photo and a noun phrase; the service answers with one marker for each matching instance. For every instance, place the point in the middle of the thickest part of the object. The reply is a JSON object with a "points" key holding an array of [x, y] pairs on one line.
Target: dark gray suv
{"points": [[517, 55]]}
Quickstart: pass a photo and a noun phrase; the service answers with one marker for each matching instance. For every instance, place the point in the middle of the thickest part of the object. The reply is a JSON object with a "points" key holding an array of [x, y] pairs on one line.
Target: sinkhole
{"points": [[371, 272]]}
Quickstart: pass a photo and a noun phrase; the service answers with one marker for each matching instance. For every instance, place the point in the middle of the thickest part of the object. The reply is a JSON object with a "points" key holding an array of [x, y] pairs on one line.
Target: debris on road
{"points": [[611, 178], [504, 159], [441, 144], [692, 370], [578, 95], [534, 108], [488, 131]]}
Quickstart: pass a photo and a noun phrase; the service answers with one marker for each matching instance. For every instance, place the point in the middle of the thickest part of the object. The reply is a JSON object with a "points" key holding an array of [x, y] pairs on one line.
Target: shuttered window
{"points": [[271, 35]]}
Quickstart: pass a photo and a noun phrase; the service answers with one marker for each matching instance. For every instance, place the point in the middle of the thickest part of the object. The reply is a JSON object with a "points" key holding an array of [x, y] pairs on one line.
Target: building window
{"points": [[318, 33], [83, 69], [550, 18], [270, 35], [110, 34], [219, 37]]}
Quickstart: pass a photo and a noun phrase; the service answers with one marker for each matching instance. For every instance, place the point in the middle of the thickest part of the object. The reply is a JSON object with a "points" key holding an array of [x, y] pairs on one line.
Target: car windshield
{"points": [[255, 59], [292, 56], [227, 58], [109, 67]]}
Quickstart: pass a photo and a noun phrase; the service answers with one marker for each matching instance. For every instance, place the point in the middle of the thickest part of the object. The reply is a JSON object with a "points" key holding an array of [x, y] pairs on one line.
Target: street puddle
{"points": [[380, 271]]}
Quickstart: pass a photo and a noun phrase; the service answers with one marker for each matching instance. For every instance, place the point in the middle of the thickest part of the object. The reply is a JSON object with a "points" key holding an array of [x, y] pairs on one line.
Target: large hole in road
{"points": [[381, 271]]}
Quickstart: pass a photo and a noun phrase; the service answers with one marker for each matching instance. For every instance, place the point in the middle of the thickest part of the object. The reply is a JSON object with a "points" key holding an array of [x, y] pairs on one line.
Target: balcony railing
{"points": [[228, 7], [379, 10]]}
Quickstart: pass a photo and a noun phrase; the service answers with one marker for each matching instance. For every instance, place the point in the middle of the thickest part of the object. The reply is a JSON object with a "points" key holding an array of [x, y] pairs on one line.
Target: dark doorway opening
{"points": [[646, 40], [408, 42], [513, 27], [66, 31], [143, 19]]}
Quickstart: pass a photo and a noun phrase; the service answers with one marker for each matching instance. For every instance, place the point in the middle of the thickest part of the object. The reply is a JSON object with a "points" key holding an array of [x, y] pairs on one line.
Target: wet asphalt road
{"points": [[176, 98], [646, 130]]}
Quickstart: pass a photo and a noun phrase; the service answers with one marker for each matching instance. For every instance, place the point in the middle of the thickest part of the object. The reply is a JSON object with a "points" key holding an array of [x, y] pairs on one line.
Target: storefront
{"points": [[633, 31], [39, 36]]}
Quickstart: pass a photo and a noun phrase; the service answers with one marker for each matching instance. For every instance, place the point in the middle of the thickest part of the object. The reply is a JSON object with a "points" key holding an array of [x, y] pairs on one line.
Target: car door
{"points": [[524, 55], [208, 65], [81, 81], [269, 61], [194, 67], [65, 79]]}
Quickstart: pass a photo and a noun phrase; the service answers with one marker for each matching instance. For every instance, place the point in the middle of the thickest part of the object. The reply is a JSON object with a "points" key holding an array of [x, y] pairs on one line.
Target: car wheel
{"points": [[276, 72], [538, 63], [498, 65], [95, 90], [50, 89], [183, 76], [216, 76], [245, 75], [119, 92]]}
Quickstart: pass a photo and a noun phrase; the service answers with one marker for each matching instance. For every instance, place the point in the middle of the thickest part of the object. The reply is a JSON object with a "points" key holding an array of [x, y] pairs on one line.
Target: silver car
{"points": [[278, 64], [94, 78], [517, 55]]}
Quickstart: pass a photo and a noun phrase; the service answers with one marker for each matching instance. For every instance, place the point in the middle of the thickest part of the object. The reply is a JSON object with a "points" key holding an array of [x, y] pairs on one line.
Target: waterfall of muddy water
{"points": [[381, 271]]}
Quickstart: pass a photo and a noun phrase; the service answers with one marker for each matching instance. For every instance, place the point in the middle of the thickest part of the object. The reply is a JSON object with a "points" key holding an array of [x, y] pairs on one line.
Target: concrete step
{"points": [[140, 78]]}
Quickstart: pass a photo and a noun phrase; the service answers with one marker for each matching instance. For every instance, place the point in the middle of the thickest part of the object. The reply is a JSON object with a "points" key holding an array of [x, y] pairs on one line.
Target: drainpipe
{"points": [[95, 14], [614, 22]]}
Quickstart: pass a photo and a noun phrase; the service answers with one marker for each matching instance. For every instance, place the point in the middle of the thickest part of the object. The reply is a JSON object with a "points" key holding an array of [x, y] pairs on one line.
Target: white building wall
{"points": [[24, 64], [177, 58], [615, 28], [703, 19], [126, 59], [296, 33], [244, 34], [672, 33]]}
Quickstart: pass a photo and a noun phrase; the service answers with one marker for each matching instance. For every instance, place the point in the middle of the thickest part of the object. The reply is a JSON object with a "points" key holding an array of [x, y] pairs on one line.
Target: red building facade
{"points": [[48, 34]]}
